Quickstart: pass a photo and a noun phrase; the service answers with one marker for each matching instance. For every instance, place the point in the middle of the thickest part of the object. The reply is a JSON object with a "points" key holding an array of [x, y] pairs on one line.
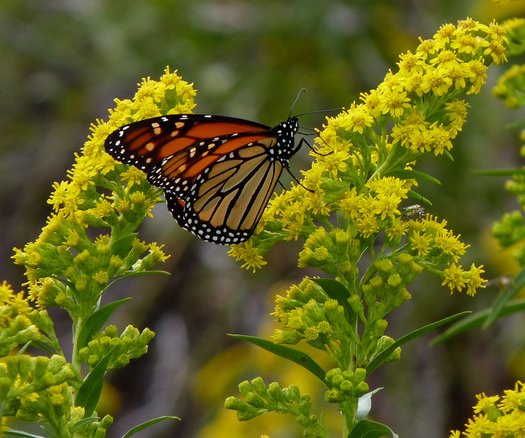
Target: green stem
{"points": [[75, 360], [345, 429], [397, 158], [369, 273], [349, 411]]}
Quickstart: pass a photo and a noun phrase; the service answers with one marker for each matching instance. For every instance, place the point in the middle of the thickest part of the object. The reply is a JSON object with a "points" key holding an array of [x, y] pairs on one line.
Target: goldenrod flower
{"points": [[249, 254], [361, 152], [497, 416], [455, 278], [356, 119], [83, 202]]}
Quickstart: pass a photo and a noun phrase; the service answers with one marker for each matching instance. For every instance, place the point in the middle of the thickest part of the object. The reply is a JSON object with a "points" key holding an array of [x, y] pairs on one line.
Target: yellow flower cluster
{"points": [[17, 303], [371, 208], [429, 234], [364, 168], [15, 324], [306, 312], [510, 85], [456, 278], [24, 380], [497, 416], [453, 62], [170, 95], [64, 249]]}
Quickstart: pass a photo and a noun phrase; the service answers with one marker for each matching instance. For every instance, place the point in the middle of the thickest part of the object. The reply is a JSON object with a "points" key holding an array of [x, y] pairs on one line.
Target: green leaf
{"points": [[413, 174], [96, 321], [121, 246], [510, 291], [418, 197], [381, 357], [338, 292], [130, 274], [500, 172], [371, 429], [89, 393], [83, 422], [36, 344], [448, 155], [46, 326], [148, 424], [516, 125], [296, 356], [42, 344], [478, 318], [12, 432], [172, 97]]}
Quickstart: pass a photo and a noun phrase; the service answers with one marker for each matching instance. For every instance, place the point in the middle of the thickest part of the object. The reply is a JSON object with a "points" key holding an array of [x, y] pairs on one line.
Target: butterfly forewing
{"points": [[218, 173], [144, 143]]}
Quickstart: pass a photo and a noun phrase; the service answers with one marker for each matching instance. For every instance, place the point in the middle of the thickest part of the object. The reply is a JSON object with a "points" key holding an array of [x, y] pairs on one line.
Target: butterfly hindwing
{"points": [[215, 206]]}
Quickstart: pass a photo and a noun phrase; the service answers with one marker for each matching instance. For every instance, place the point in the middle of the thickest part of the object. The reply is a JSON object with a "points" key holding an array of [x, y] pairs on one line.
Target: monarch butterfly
{"points": [[218, 173]]}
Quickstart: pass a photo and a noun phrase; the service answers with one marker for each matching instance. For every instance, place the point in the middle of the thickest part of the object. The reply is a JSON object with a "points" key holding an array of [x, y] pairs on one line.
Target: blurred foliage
{"points": [[63, 63]]}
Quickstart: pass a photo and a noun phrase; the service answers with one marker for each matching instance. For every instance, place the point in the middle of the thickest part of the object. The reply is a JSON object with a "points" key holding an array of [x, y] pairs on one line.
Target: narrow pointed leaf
{"points": [[477, 319], [96, 321], [41, 345], [516, 125], [288, 353], [338, 292], [418, 197], [84, 421], [413, 174], [122, 245], [12, 432], [147, 424], [89, 393], [381, 357], [134, 274], [500, 172], [371, 429]]}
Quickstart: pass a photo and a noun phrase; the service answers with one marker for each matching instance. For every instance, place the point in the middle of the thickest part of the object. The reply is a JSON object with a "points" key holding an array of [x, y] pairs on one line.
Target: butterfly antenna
{"points": [[302, 90], [320, 111], [307, 133], [312, 130]]}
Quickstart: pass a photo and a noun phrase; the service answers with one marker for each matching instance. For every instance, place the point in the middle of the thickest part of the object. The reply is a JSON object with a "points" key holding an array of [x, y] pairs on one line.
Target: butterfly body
{"points": [[217, 173]]}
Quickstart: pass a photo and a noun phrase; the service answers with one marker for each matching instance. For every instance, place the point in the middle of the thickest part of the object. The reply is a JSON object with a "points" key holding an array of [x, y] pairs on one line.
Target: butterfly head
{"points": [[285, 133], [288, 127]]}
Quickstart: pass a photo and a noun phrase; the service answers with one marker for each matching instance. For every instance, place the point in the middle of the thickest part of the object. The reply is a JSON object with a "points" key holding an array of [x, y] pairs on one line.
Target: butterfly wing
{"points": [[147, 142], [218, 173], [226, 200]]}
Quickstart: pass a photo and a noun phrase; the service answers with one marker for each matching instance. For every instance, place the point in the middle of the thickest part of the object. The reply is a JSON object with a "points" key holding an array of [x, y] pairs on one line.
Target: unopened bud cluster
{"points": [[386, 290], [260, 399], [345, 385], [130, 345], [308, 313], [27, 383]]}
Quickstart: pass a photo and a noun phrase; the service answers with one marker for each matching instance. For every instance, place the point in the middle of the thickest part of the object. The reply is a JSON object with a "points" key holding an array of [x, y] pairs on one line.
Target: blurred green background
{"points": [[62, 62]]}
